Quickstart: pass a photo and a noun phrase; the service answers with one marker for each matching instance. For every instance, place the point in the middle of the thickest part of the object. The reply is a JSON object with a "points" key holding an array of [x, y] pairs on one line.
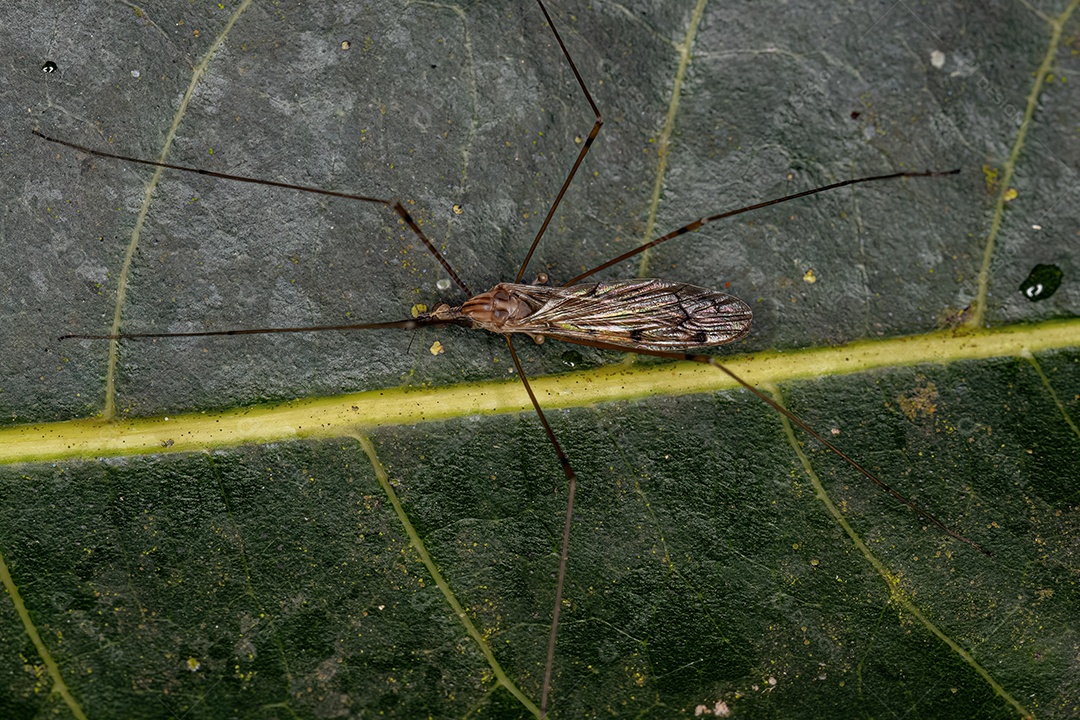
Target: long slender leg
{"points": [[564, 462], [571, 479], [581, 155], [691, 227], [710, 360], [394, 205]]}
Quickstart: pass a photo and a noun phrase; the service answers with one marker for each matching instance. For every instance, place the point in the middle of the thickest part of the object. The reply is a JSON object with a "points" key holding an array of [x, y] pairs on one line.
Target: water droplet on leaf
{"points": [[1042, 282]]}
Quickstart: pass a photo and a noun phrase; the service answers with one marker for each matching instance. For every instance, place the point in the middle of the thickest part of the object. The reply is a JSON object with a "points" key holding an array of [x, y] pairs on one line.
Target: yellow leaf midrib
{"points": [[337, 415]]}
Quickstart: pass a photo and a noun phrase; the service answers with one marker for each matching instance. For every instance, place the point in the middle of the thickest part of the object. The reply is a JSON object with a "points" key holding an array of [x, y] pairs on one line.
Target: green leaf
{"points": [[350, 525]]}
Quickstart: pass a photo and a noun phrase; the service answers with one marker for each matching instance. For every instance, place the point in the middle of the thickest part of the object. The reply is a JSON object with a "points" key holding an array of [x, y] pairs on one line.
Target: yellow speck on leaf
{"points": [[922, 401]]}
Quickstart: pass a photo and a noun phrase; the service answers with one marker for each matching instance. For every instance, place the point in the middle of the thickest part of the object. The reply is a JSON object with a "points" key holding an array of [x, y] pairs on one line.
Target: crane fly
{"points": [[655, 317]]}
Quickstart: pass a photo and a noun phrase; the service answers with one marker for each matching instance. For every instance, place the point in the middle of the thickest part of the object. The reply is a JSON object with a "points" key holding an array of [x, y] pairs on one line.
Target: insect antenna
{"points": [[401, 324]]}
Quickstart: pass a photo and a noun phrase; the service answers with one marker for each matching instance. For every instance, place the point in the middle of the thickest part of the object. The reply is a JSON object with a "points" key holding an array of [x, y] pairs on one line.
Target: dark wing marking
{"points": [[653, 314]]}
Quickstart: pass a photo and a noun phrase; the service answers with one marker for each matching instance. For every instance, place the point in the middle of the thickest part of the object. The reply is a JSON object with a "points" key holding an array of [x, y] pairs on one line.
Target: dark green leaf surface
{"points": [[705, 576]]}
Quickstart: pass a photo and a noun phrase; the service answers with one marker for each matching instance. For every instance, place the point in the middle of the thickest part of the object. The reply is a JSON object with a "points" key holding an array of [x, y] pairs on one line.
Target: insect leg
{"points": [[709, 360], [571, 478], [581, 155], [691, 227], [394, 205]]}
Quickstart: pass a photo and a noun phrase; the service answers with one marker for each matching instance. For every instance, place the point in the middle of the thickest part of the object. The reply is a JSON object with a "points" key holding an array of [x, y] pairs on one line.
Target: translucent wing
{"points": [[653, 314]]}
